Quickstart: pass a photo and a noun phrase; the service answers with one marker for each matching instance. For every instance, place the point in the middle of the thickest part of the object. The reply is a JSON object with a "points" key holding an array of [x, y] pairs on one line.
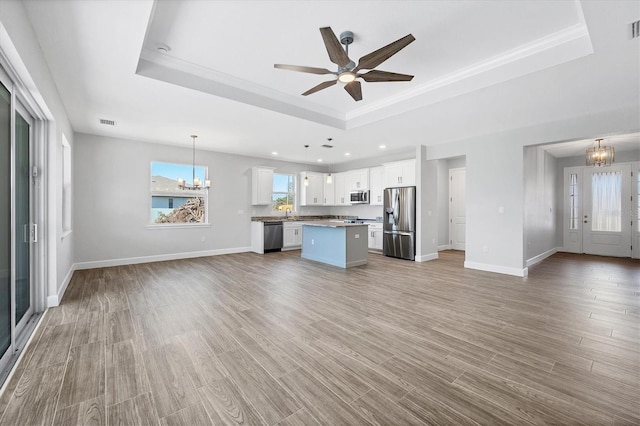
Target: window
{"points": [[283, 192], [169, 203], [606, 196], [573, 201]]}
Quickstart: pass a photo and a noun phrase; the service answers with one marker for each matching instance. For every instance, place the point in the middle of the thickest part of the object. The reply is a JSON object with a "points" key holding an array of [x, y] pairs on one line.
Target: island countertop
{"points": [[331, 224]]}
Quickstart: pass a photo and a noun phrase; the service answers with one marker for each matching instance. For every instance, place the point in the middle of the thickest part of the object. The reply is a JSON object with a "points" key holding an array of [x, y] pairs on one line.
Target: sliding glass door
{"points": [[24, 230], [17, 232], [5, 223]]}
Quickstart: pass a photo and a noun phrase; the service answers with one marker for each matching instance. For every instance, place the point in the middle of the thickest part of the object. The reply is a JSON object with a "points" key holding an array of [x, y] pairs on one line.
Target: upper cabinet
{"points": [[261, 185], [400, 173], [376, 186], [311, 194], [359, 179], [329, 191], [341, 183]]}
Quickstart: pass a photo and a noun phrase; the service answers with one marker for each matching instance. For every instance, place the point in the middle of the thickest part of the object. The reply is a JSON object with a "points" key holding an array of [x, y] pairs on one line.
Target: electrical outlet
{"points": [[357, 236], [313, 242]]}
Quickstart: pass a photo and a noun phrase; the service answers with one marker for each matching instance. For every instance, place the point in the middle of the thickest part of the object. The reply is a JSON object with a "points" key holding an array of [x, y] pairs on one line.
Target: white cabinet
{"points": [[311, 194], [341, 186], [358, 179], [329, 191], [375, 236], [261, 185], [291, 235], [400, 173], [376, 186]]}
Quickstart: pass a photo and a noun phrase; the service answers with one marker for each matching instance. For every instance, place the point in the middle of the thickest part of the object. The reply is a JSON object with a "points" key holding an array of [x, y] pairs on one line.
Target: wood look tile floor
{"points": [[275, 339]]}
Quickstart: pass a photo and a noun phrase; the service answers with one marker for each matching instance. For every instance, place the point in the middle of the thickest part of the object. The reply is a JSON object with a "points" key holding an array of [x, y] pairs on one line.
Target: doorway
{"points": [[457, 208], [598, 210], [17, 229]]}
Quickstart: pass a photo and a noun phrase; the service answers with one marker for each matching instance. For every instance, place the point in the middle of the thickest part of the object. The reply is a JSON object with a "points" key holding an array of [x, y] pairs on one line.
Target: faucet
{"points": [[286, 212]]}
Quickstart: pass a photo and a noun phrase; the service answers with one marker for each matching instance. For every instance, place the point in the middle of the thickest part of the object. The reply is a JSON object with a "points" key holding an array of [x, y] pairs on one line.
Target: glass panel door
{"points": [[5, 221], [22, 220]]}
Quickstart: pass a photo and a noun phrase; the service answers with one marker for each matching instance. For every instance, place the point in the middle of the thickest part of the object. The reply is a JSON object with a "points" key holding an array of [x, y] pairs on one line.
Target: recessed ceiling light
{"points": [[274, 153], [319, 160], [382, 146], [347, 154], [162, 48]]}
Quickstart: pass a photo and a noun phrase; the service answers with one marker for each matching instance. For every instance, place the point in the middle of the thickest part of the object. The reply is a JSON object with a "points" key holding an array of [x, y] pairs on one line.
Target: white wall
{"points": [[28, 61], [540, 223], [112, 202], [495, 177]]}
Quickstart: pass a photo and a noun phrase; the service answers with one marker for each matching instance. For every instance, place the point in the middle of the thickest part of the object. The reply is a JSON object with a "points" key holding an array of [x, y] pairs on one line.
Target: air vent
{"points": [[107, 122], [635, 29], [326, 146]]}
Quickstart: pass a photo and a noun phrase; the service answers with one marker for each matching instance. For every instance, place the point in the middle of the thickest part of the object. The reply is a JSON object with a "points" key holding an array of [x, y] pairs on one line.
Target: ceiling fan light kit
{"points": [[347, 71]]}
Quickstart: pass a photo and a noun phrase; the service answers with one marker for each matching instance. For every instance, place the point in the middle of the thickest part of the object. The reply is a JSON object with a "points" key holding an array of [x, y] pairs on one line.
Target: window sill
{"points": [[178, 226]]}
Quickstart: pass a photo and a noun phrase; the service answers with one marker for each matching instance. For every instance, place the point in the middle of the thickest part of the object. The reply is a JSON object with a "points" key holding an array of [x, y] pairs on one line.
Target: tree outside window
{"points": [[169, 203], [283, 192]]}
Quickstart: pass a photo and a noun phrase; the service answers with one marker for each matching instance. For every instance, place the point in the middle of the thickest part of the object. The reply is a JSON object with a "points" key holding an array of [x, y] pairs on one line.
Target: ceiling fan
{"points": [[348, 72]]}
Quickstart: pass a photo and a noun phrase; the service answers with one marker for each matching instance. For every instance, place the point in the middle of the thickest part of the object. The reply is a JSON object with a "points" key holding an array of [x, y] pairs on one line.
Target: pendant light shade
{"points": [[600, 155]]}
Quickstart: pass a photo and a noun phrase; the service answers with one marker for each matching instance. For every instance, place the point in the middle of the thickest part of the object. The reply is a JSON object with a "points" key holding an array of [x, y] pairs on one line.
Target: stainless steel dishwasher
{"points": [[272, 236]]}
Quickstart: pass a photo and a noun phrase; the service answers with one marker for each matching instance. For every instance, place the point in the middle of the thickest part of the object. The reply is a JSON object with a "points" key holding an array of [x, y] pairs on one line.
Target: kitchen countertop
{"points": [[299, 218], [332, 224]]}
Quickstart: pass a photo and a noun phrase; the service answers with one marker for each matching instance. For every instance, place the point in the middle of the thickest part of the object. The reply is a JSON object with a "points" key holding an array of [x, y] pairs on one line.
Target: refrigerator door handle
{"points": [[396, 208], [398, 233]]}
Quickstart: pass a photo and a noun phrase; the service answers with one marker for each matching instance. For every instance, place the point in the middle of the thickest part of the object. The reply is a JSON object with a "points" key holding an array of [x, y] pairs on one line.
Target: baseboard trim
{"points": [[426, 257], [444, 247], [55, 300], [497, 269], [158, 258], [542, 256]]}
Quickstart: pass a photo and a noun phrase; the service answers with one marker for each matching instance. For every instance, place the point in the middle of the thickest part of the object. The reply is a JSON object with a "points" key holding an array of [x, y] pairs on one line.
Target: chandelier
{"points": [[196, 184], [600, 156]]}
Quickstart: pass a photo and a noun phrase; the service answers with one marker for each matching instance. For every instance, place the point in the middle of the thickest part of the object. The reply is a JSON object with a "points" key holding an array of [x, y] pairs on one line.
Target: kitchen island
{"points": [[336, 243]]}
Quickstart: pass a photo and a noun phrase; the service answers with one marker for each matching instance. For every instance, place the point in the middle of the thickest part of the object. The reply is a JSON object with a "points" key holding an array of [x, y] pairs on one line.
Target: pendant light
{"points": [[329, 177], [195, 182], [600, 155], [306, 178]]}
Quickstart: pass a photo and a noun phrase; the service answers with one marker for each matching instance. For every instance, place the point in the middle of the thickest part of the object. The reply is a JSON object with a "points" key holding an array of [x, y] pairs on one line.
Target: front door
{"points": [[598, 210], [606, 211]]}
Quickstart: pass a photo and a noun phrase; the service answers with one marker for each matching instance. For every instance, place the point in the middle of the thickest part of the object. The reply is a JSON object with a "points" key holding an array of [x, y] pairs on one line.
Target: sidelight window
{"points": [[573, 201]]}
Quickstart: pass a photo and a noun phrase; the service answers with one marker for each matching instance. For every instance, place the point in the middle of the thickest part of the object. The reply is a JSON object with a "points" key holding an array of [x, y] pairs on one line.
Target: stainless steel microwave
{"points": [[359, 197]]}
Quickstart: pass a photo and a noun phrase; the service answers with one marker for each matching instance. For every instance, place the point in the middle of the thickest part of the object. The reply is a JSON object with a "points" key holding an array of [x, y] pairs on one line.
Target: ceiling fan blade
{"points": [[319, 87], [355, 90], [299, 68], [337, 55], [374, 76], [377, 57]]}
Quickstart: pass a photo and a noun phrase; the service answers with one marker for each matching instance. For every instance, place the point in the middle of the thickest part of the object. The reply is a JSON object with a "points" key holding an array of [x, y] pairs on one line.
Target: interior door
{"points": [[457, 209], [606, 211]]}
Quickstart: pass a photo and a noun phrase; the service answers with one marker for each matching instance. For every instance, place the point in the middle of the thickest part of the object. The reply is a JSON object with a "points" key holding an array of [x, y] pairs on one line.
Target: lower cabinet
{"points": [[375, 236], [291, 236]]}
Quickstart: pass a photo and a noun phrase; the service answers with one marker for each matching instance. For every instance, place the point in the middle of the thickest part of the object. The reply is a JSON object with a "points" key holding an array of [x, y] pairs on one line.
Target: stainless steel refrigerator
{"points": [[399, 231]]}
